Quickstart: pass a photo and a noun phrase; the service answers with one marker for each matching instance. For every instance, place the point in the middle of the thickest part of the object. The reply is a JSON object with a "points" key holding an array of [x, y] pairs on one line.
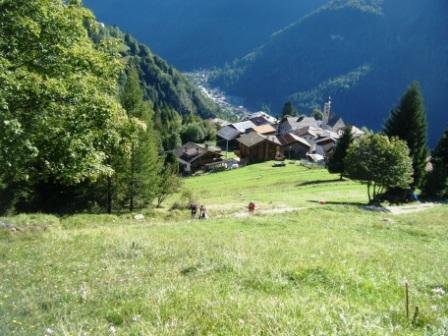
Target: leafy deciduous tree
{"points": [[380, 162], [59, 111]]}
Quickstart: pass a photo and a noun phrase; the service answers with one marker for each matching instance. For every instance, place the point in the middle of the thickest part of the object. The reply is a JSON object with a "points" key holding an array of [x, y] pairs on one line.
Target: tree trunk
{"points": [[109, 195], [132, 184], [368, 193]]}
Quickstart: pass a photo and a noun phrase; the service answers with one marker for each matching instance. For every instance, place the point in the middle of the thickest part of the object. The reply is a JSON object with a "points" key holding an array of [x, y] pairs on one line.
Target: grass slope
{"points": [[324, 270], [292, 186]]}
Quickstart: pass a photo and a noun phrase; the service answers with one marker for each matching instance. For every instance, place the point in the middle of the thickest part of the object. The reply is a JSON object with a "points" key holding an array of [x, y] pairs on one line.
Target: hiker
{"points": [[251, 208], [203, 212], [194, 210]]}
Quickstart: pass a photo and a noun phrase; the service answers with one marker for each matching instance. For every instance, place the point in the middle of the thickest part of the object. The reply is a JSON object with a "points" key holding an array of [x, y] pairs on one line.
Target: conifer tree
{"points": [[140, 177], [317, 114], [408, 122], [336, 162], [436, 184], [289, 110]]}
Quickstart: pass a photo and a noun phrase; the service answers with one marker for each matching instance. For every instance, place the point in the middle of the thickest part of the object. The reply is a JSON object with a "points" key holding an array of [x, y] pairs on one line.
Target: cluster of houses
{"points": [[259, 137]]}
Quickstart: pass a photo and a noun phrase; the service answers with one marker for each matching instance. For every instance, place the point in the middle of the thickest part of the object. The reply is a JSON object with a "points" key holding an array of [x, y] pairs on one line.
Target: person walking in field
{"points": [[194, 210], [251, 207], [203, 212]]}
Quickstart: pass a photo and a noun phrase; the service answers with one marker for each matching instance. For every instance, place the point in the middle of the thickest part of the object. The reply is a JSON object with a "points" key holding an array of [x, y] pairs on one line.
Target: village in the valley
{"points": [[260, 137]]}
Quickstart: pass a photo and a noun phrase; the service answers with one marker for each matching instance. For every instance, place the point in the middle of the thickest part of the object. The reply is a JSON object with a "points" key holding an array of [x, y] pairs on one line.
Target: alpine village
{"points": [[224, 167]]}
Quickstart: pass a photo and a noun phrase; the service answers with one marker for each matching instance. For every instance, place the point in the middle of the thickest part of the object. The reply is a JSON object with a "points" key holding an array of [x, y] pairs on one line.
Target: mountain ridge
{"points": [[366, 68]]}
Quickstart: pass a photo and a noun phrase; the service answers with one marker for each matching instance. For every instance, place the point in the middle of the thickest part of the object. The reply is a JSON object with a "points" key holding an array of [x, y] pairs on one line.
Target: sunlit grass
{"points": [[322, 270]]}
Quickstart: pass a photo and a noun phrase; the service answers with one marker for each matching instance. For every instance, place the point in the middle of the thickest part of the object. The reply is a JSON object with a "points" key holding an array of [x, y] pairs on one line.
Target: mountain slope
{"points": [[163, 85], [201, 33], [364, 53]]}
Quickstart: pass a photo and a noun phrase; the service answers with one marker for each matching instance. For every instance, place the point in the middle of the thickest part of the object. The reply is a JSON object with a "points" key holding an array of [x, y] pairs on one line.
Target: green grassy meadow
{"points": [[332, 269], [290, 187]]}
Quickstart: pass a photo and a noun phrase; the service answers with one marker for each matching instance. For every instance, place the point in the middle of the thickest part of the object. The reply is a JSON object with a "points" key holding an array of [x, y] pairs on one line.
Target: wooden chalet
{"points": [[256, 148], [193, 157], [294, 147]]}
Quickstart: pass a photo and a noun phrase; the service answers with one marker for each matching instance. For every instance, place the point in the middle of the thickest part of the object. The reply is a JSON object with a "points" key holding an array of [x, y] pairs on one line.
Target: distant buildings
{"points": [[193, 157], [259, 137]]}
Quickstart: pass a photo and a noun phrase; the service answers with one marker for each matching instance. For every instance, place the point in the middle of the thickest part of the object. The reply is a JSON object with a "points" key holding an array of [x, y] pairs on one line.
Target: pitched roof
{"points": [[301, 122], [289, 124], [313, 131], [191, 151], [261, 114], [337, 124], [260, 121], [251, 139], [228, 133], [290, 138], [265, 129], [243, 126], [325, 140], [273, 139]]}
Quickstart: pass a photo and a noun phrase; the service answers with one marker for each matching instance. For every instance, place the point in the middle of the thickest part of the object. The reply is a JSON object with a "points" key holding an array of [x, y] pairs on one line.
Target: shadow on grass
{"points": [[360, 204], [317, 182]]}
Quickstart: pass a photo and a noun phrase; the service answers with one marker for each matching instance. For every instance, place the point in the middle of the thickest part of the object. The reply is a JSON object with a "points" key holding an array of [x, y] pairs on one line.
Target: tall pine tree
{"points": [[408, 122], [436, 184], [141, 173], [336, 163]]}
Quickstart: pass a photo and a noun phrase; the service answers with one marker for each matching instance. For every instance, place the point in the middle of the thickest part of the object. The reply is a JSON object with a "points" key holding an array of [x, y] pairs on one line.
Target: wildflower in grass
{"points": [[49, 332], [112, 330]]}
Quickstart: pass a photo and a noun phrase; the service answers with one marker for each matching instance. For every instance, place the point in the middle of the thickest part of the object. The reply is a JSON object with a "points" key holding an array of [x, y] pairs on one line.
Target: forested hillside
{"points": [[87, 114], [163, 85], [364, 53], [197, 34]]}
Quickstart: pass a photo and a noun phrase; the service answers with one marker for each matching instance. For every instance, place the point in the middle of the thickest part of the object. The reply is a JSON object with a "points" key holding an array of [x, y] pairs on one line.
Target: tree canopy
{"points": [[436, 184], [336, 162], [59, 110], [408, 122], [77, 129], [379, 162], [289, 110]]}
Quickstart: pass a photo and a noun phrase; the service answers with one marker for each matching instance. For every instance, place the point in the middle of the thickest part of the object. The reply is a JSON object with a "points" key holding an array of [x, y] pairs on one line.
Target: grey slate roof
{"points": [[257, 115], [190, 151], [243, 126], [291, 138], [289, 124], [251, 139], [228, 133]]}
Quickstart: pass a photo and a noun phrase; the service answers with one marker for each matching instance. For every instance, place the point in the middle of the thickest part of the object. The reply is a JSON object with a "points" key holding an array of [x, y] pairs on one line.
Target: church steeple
{"points": [[327, 111]]}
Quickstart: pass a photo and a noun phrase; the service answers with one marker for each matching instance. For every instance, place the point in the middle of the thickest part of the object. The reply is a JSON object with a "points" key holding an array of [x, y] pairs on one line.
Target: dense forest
{"points": [[360, 52], [88, 116]]}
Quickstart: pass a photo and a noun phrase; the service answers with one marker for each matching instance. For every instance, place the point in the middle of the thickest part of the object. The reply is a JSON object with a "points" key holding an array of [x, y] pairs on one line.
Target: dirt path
{"points": [[265, 212], [405, 209], [394, 210]]}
